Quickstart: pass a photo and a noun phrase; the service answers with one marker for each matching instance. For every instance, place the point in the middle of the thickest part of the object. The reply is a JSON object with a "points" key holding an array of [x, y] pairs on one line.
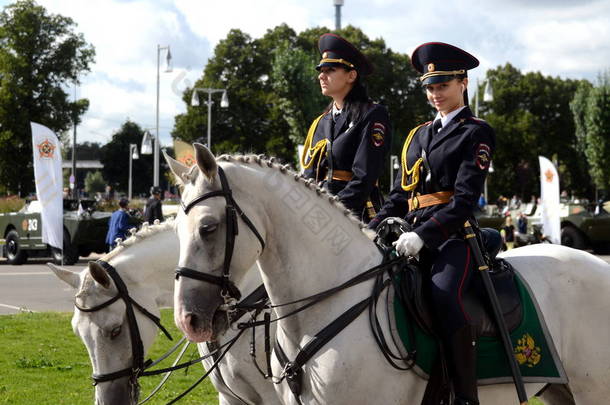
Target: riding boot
{"points": [[462, 353]]}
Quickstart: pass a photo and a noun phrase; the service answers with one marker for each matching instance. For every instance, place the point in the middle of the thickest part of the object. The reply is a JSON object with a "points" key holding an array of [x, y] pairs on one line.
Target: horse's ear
{"points": [[99, 274], [205, 161], [180, 170], [69, 277]]}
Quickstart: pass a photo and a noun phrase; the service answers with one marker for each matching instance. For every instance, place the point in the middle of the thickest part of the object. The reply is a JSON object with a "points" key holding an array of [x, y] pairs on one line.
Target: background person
{"points": [[154, 206], [346, 146], [508, 233], [443, 169], [118, 224]]}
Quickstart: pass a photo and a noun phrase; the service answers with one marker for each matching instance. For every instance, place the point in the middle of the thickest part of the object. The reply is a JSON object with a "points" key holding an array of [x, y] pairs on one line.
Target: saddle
{"points": [[414, 279]]}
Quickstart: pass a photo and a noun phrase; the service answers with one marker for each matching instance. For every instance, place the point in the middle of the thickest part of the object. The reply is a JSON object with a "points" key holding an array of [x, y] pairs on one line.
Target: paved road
{"points": [[34, 287]]}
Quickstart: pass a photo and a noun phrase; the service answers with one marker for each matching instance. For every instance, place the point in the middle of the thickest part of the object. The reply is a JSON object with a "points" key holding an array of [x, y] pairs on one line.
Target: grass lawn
{"points": [[42, 362]]}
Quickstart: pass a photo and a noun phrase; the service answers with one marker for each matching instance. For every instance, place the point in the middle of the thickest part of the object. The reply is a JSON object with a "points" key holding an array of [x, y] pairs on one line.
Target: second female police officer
{"points": [[444, 165], [346, 145]]}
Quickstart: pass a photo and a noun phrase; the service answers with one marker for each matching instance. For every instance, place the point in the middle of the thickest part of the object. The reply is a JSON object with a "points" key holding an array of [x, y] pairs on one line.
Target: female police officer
{"points": [[346, 145], [444, 165]]}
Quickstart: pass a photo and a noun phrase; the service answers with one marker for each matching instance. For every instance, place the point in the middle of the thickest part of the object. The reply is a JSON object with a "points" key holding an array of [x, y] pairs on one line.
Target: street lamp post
{"points": [[133, 154], [224, 103], [487, 97], [394, 165], [168, 68], [338, 4]]}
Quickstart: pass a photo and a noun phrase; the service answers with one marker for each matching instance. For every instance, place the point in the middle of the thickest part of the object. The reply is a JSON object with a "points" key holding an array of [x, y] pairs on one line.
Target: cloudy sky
{"points": [[566, 38]]}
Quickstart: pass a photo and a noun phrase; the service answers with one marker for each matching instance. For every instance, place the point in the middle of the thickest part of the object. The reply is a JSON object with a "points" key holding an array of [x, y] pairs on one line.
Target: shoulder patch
{"points": [[378, 134], [483, 156]]}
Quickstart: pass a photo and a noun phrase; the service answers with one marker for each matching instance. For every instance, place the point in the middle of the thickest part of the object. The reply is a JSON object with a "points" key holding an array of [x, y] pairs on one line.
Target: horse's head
{"points": [[106, 331], [213, 253]]}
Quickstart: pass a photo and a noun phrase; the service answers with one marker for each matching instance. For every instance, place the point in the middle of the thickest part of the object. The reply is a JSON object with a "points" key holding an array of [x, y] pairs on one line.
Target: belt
{"points": [[342, 175], [428, 200]]}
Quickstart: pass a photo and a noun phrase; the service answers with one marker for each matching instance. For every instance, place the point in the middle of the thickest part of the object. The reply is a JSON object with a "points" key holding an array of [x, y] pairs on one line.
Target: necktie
{"points": [[436, 126]]}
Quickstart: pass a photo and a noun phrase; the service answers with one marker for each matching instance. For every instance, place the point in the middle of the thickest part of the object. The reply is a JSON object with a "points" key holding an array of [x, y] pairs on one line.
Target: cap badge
{"points": [[431, 67], [325, 55]]}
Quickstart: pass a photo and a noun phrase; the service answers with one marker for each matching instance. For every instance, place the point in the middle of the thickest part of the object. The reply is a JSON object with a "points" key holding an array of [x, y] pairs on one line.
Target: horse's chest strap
{"points": [[292, 370]]}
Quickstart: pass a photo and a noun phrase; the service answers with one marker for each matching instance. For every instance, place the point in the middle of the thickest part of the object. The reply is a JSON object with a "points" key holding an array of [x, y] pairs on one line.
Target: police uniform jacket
{"points": [[458, 158], [355, 147]]}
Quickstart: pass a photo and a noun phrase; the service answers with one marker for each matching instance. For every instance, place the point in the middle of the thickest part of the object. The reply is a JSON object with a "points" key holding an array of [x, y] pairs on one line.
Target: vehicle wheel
{"points": [[14, 254], [84, 251], [601, 248], [572, 238], [70, 251], [56, 255]]}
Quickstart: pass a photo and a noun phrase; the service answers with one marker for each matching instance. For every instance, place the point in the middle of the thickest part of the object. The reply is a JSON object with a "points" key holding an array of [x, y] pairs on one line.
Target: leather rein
{"points": [[137, 348], [292, 370]]}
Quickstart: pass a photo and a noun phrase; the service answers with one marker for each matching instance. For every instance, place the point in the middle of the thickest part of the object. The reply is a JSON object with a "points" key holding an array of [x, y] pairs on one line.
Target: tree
{"points": [[94, 182], [39, 54], [275, 95], [531, 116], [297, 93], [115, 158], [591, 109]]}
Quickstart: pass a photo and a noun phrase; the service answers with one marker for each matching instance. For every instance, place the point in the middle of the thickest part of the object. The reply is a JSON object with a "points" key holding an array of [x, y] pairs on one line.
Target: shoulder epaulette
{"points": [[477, 119]]}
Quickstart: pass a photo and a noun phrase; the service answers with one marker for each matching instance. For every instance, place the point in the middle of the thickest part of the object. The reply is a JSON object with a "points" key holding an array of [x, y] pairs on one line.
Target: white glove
{"points": [[408, 244]]}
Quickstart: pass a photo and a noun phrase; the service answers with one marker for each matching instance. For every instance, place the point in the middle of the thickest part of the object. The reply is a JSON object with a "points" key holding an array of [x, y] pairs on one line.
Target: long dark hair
{"points": [[356, 102]]}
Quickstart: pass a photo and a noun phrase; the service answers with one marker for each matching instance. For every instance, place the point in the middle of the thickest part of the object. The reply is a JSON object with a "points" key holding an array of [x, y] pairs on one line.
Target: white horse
{"points": [[312, 244], [146, 263]]}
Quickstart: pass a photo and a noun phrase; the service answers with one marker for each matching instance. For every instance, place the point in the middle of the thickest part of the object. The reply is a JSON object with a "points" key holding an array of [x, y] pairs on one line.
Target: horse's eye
{"points": [[207, 229], [115, 332]]}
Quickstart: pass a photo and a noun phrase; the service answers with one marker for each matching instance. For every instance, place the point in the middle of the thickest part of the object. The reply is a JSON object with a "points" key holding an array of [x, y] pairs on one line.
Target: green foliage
{"points": [[94, 182], [84, 151], [298, 96], [275, 95], [115, 158], [39, 55], [597, 129], [531, 116], [42, 362]]}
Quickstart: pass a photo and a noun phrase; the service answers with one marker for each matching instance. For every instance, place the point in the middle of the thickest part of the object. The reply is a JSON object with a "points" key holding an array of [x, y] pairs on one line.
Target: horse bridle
{"points": [[228, 289], [137, 348]]}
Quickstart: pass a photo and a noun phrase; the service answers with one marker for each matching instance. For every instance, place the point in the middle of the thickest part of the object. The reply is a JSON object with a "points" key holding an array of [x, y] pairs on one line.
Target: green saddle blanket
{"points": [[532, 345]]}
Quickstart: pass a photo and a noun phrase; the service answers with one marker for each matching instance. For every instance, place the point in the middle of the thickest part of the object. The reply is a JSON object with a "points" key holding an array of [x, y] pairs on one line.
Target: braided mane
{"points": [[145, 232], [288, 171]]}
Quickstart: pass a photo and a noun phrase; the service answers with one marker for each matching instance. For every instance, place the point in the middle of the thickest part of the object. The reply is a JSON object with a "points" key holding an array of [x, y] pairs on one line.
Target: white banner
{"points": [[549, 195], [49, 183]]}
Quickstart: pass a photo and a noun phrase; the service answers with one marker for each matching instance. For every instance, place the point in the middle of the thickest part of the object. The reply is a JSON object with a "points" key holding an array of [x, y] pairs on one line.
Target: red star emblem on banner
{"points": [[46, 149], [549, 175], [187, 159]]}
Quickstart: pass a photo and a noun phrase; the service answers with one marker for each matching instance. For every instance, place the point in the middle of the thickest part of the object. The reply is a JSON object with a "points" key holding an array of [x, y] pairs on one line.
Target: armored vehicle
{"points": [[84, 232], [583, 229]]}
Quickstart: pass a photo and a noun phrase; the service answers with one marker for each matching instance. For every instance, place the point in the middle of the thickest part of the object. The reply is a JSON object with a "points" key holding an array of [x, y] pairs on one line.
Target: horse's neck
{"points": [[311, 245], [149, 263]]}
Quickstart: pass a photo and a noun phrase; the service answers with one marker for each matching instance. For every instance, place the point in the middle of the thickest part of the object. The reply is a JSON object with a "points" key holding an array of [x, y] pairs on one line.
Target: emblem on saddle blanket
{"points": [[527, 352], [532, 345]]}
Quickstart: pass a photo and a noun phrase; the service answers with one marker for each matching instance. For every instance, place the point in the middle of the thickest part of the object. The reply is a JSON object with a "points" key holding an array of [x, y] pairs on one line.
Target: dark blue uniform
{"points": [[458, 159], [351, 157]]}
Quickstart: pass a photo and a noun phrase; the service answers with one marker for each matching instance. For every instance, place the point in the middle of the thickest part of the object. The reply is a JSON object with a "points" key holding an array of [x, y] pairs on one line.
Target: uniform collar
{"points": [[447, 118], [336, 110]]}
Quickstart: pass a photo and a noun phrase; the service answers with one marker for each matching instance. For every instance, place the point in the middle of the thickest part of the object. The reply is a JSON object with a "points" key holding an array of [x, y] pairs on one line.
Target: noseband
{"points": [[137, 348], [228, 289]]}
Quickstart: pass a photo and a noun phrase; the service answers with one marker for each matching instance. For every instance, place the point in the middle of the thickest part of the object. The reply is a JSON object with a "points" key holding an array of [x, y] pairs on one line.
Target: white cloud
{"points": [[570, 38]]}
